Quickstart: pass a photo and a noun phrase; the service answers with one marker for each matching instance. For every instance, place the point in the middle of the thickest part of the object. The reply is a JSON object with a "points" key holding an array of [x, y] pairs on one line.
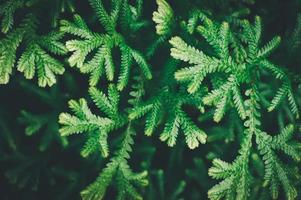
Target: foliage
{"points": [[199, 74], [236, 71], [102, 61], [38, 50]]}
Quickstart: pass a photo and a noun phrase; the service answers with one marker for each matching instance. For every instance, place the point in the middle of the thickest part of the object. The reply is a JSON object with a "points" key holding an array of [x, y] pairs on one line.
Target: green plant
{"points": [[198, 75]]}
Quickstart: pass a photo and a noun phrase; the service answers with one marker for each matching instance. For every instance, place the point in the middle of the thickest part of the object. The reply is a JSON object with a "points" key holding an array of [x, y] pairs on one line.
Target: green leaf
{"points": [[164, 18]]}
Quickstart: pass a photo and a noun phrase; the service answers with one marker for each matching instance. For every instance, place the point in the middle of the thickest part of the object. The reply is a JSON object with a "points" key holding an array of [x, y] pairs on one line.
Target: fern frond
{"points": [[203, 65], [194, 17], [96, 140], [46, 66], [8, 48], [279, 97], [170, 131], [236, 183], [213, 96], [168, 102], [152, 119], [210, 31], [103, 16], [220, 109], [7, 11], [292, 103], [81, 49], [118, 169], [101, 101], [185, 75], [275, 172], [236, 179], [96, 127], [257, 29], [97, 189], [139, 111], [285, 91], [78, 28], [100, 47], [194, 135], [182, 51], [269, 47], [95, 67], [137, 91], [145, 68], [35, 57], [220, 97], [295, 39], [74, 125], [224, 41], [109, 64], [277, 71], [130, 16], [126, 62], [239, 102], [34, 123], [164, 18], [51, 43]]}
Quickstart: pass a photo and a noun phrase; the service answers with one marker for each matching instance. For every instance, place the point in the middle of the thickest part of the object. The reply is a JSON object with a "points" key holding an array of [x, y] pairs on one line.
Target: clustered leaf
{"points": [[118, 170], [215, 69], [169, 104], [35, 57], [96, 127], [7, 11], [164, 18], [100, 47], [226, 94]]}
